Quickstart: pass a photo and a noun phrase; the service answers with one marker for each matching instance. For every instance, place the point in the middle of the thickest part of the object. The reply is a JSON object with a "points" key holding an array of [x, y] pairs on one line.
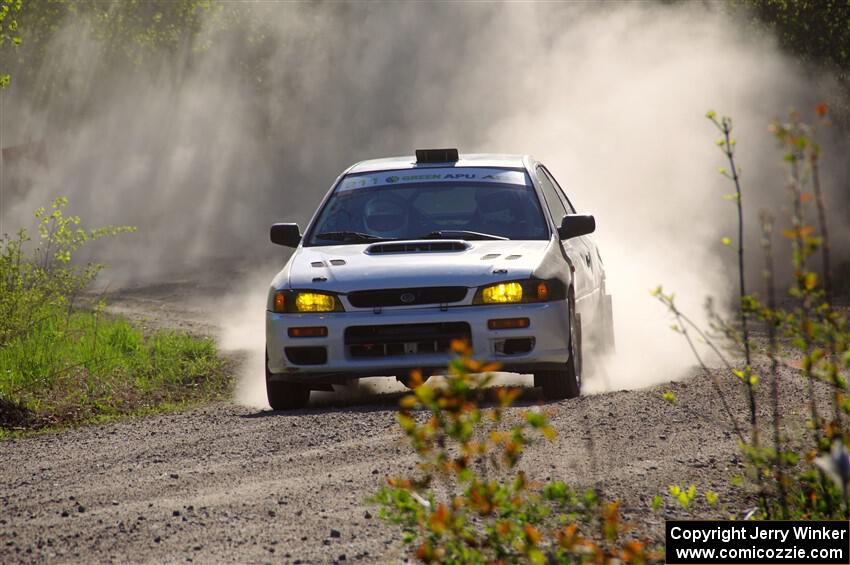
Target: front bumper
{"points": [[548, 328]]}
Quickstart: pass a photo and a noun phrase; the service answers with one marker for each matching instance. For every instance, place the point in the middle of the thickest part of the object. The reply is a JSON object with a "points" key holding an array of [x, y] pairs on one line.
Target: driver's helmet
{"points": [[385, 217]]}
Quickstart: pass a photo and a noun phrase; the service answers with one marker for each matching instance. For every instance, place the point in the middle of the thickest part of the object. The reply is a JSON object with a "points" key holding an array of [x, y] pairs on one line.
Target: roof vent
{"points": [[436, 156]]}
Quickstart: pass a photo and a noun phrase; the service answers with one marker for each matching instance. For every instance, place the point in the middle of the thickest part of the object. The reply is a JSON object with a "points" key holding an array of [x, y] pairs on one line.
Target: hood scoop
{"points": [[441, 246]]}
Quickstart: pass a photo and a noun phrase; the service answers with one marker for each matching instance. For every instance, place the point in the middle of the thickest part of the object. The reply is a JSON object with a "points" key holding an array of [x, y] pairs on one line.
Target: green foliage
{"points": [[816, 32], [60, 363], [807, 479], [469, 503], [36, 283], [657, 501], [86, 365], [127, 34], [683, 496], [131, 29], [10, 34], [139, 28]]}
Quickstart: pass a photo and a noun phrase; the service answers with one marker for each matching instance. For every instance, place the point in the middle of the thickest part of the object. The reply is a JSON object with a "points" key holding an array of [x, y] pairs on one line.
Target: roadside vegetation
{"points": [[816, 33], [63, 360], [468, 502], [795, 476]]}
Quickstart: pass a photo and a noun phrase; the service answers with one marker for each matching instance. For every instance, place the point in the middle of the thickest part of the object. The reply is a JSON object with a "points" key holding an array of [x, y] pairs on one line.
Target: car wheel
{"points": [[283, 395], [566, 382]]}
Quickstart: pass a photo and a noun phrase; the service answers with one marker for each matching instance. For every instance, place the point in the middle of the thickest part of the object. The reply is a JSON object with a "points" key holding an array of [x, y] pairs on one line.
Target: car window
{"points": [[569, 205], [556, 206], [446, 202], [413, 204]]}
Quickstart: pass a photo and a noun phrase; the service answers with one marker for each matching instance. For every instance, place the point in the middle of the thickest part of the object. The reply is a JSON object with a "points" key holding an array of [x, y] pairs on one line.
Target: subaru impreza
{"points": [[407, 254]]}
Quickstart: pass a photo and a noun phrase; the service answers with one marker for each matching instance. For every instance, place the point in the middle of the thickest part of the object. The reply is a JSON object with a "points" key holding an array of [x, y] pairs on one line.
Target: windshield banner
{"points": [[452, 175]]}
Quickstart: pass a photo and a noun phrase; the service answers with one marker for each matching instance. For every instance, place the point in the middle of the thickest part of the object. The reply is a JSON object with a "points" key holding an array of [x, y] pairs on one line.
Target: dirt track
{"points": [[225, 483]]}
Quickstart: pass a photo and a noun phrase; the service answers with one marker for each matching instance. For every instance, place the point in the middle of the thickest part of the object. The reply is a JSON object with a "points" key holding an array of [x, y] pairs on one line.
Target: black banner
{"points": [[766, 542]]}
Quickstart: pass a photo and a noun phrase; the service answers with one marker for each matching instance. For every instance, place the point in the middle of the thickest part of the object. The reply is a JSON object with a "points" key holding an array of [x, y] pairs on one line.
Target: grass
{"points": [[88, 366]]}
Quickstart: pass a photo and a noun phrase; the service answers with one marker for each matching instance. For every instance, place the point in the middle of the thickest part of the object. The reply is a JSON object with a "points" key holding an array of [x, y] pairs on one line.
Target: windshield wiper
{"points": [[461, 234], [350, 236]]}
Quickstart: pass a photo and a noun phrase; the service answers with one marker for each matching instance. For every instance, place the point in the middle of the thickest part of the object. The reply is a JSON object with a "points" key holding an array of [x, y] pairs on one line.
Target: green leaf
{"points": [[657, 501], [536, 556], [535, 419]]}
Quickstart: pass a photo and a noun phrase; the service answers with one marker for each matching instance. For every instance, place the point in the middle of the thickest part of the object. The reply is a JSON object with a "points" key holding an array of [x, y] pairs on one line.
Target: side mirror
{"points": [[288, 235], [574, 225]]}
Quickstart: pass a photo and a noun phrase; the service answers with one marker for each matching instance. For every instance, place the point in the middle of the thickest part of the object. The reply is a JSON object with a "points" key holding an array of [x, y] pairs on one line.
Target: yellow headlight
{"points": [[314, 302], [502, 293]]}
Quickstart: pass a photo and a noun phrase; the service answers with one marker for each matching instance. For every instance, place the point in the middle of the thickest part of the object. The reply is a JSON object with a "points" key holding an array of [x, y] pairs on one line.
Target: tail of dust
{"points": [[250, 122]]}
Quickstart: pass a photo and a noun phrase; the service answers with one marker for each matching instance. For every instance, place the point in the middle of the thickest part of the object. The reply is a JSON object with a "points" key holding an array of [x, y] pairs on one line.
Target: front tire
{"points": [[565, 383], [285, 396], [405, 380]]}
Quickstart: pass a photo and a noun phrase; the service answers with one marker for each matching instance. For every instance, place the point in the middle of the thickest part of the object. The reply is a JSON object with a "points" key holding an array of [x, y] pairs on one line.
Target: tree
{"points": [[815, 31], [10, 35]]}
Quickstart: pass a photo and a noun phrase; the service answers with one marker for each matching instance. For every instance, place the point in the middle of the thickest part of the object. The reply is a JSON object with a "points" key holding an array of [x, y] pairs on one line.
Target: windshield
{"points": [[434, 203]]}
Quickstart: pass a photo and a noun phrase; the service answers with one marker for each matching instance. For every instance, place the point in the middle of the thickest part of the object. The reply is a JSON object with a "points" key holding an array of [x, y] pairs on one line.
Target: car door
{"points": [[592, 256], [575, 248]]}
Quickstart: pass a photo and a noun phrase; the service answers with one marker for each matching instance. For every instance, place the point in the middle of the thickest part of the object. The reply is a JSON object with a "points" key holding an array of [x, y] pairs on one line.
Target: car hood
{"points": [[348, 268]]}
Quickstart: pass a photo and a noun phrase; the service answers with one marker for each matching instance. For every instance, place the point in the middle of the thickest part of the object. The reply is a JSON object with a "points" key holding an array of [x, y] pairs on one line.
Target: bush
{"points": [[470, 503], [36, 284], [62, 360]]}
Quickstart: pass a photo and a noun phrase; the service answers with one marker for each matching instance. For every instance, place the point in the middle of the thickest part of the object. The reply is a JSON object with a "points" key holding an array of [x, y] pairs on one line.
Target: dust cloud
{"points": [[203, 152]]}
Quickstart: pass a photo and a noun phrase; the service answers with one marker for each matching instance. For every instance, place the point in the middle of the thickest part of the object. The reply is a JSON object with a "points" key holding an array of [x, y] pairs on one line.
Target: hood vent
{"points": [[417, 247]]}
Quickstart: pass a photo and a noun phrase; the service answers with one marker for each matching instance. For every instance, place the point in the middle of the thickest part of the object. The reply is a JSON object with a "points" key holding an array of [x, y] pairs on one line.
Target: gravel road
{"points": [[226, 483]]}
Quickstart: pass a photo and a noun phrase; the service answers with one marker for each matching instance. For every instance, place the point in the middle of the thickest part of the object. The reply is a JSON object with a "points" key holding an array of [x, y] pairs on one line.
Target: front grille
{"points": [[404, 339], [407, 296]]}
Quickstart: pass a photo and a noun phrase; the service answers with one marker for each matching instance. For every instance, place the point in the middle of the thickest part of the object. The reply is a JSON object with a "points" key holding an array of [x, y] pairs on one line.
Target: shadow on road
{"points": [[383, 402]]}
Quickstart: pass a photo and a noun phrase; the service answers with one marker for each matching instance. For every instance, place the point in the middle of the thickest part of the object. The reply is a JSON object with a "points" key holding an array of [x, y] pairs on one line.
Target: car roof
{"points": [[464, 160]]}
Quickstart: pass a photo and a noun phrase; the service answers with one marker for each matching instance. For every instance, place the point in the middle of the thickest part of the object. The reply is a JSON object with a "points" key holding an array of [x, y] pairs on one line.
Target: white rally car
{"points": [[406, 254]]}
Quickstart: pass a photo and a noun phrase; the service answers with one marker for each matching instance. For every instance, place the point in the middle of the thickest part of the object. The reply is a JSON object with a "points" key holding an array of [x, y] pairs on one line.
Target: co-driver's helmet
{"points": [[385, 216]]}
